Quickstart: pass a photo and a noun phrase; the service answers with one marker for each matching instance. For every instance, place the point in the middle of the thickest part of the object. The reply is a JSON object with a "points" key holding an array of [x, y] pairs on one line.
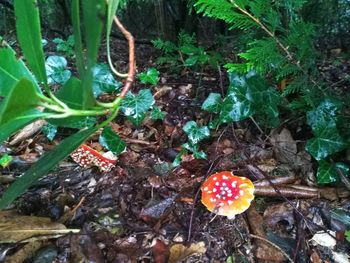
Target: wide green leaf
{"points": [[44, 165], [157, 114], [135, 107], [71, 93], [212, 103], [327, 172], [29, 36], [56, 70], [21, 99], [112, 141], [11, 70], [104, 81]]}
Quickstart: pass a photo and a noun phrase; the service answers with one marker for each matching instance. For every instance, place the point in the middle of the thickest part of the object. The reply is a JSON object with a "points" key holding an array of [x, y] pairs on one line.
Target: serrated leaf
{"points": [[151, 76], [157, 114], [327, 142], [104, 82], [56, 70], [327, 172], [136, 106], [196, 134], [44, 165], [111, 141], [12, 70], [212, 103], [29, 36]]}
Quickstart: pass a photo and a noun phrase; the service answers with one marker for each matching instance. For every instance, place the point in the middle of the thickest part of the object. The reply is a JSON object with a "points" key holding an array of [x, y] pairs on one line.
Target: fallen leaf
{"points": [[179, 252], [325, 239], [19, 228], [160, 252], [285, 147]]}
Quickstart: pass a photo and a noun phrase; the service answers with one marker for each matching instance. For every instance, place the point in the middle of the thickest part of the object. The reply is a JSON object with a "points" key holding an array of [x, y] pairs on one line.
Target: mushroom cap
{"points": [[226, 194], [86, 156]]}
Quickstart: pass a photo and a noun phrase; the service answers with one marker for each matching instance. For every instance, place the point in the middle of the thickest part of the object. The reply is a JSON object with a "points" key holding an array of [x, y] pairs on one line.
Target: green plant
{"points": [[195, 135], [347, 235], [65, 46], [151, 76], [186, 53], [279, 47], [27, 95]]}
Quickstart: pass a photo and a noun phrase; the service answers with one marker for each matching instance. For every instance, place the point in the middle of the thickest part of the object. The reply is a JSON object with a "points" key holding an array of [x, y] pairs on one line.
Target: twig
{"points": [[285, 191]]}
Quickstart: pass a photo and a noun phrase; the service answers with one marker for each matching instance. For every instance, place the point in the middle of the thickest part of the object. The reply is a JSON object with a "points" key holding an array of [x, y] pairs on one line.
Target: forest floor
{"points": [[145, 211]]}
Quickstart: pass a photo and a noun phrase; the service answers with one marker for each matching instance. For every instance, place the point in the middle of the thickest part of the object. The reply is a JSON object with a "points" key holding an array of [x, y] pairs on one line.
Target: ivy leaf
{"points": [[196, 134], [50, 131], [347, 235], [56, 70], [151, 76], [212, 103], [110, 140], [327, 142], [157, 114], [327, 172], [104, 81], [136, 106], [325, 115]]}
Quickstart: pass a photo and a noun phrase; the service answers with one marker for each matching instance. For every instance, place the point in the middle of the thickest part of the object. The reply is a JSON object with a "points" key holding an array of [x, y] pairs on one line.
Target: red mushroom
{"points": [[226, 194], [86, 156]]}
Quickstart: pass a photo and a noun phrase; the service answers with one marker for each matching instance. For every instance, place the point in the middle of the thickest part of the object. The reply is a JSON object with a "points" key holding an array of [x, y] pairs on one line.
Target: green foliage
{"points": [[195, 135], [151, 76], [65, 46], [103, 80], [246, 96], [157, 114], [135, 107], [327, 172], [5, 160], [186, 53], [347, 235], [50, 131], [278, 46], [74, 104], [56, 70], [111, 141]]}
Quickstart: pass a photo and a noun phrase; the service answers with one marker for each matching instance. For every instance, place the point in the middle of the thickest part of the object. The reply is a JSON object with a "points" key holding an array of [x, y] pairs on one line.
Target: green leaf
{"points": [[110, 140], [325, 115], [327, 142], [21, 99], [327, 172], [347, 235], [157, 114], [151, 76], [11, 70], [5, 160], [196, 134], [50, 131], [29, 36], [56, 70], [104, 80], [72, 94], [200, 155], [212, 103], [249, 95], [135, 107], [44, 165], [93, 13]]}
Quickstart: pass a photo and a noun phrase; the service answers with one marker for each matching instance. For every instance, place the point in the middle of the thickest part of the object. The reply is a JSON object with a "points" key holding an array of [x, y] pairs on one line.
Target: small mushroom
{"points": [[226, 194], [86, 156]]}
